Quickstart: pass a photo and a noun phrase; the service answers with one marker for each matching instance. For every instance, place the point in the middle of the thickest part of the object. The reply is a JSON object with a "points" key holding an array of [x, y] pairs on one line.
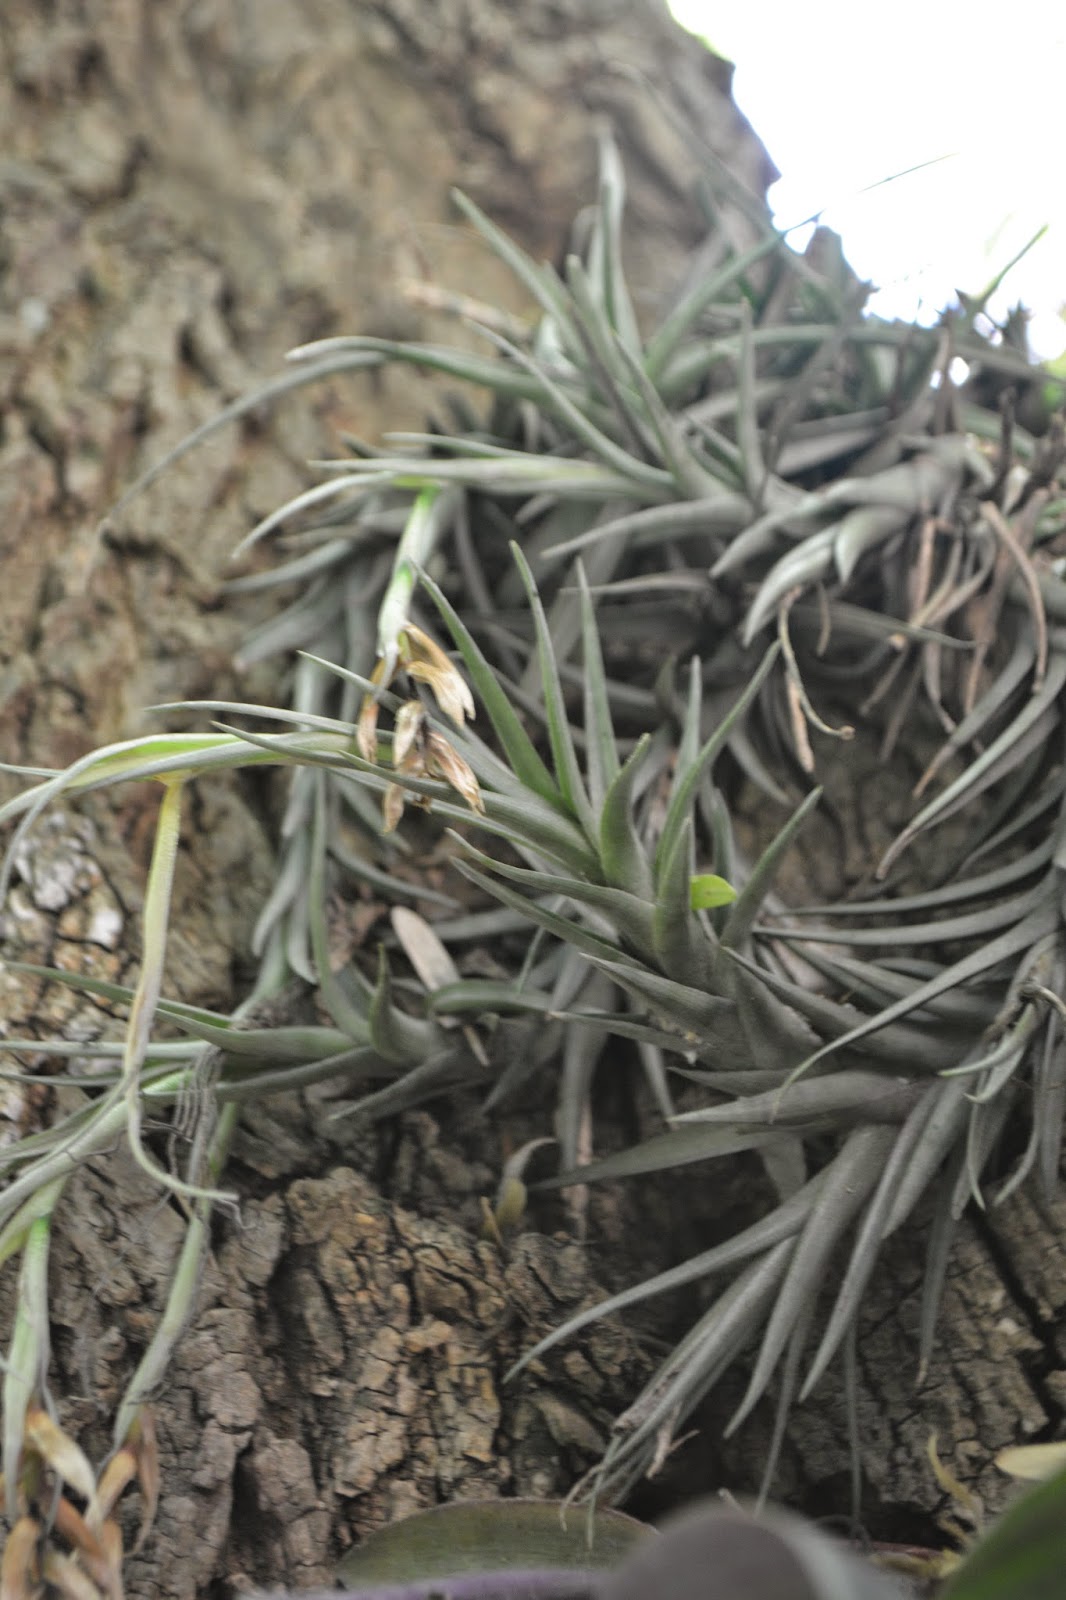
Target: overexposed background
{"points": [[845, 95]]}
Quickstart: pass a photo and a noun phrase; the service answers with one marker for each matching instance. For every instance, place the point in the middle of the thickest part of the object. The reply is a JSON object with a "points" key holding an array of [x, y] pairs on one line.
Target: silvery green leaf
{"points": [[870, 1237], [683, 796], [681, 947], [625, 861], [539, 280], [517, 745], [723, 511], [850, 1178], [630, 915], [601, 758], [567, 771], [396, 1036], [1007, 748], [1021, 937], [741, 915], [664, 1152], [680, 321], [873, 1096], [694, 1009]]}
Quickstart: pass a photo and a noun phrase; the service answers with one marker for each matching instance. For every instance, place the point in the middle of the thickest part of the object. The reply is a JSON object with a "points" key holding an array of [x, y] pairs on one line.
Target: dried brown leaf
{"points": [[392, 807], [68, 1580], [143, 1434], [424, 660], [116, 1476], [446, 763], [366, 729], [423, 949], [59, 1451], [409, 734], [20, 1566]]}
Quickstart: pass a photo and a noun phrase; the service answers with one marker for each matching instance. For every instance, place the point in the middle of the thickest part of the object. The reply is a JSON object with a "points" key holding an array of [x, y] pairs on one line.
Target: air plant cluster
{"points": [[653, 558]]}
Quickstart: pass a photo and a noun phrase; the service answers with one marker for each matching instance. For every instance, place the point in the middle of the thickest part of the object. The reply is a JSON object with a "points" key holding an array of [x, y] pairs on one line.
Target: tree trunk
{"points": [[188, 191]]}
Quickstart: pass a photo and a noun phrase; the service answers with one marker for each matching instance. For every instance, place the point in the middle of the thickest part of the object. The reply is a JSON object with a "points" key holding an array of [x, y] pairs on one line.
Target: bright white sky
{"points": [[844, 94]]}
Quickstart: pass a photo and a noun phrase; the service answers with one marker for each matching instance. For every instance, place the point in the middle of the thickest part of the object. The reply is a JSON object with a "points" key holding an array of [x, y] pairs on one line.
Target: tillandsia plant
{"points": [[655, 557]]}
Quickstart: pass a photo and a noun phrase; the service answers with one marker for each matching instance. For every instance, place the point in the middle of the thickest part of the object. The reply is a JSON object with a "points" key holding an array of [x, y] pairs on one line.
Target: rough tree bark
{"points": [[188, 190]]}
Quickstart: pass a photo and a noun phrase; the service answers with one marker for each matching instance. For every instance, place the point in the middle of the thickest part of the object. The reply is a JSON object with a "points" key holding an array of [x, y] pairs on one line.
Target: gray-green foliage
{"points": [[774, 500]]}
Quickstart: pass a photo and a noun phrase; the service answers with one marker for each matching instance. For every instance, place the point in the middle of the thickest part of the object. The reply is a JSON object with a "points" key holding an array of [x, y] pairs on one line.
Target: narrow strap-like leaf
{"points": [[684, 793], [663, 345], [294, 378], [869, 1238], [691, 1008], [942, 1229], [981, 886], [910, 1048], [995, 697], [519, 748], [653, 482], [1013, 942], [875, 1096], [946, 1119], [624, 859], [347, 1015], [742, 913], [720, 512], [541, 283], [582, 1050], [662, 1153], [607, 370], [875, 983], [567, 929], [853, 1174], [448, 1070], [706, 1352], [629, 914], [567, 771], [808, 563], [605, 252], [969, 784], [601, 755], [396, 1036], [748, 432], [912, 935], [692, 479], [680, 945]]}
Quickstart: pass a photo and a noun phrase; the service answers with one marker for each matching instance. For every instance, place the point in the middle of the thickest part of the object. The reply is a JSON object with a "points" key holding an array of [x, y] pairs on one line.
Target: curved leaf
{"points": [[483, 1536]]}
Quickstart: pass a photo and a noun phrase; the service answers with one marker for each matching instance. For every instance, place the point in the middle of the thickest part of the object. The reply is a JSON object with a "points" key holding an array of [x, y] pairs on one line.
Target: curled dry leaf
{"points": [[392, 807], [408, 737], [424, 660], [72, 1526], [66, 1459], [423, 949], [145, 1440], [66, 1578], [366, 729], [1032, 1462], [445, 762], [94, 1565], [20, 1568]]}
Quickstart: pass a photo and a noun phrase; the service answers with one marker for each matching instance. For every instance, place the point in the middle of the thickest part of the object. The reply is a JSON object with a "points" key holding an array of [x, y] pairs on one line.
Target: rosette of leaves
{"points": [[817, 476], [784, 501]]}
